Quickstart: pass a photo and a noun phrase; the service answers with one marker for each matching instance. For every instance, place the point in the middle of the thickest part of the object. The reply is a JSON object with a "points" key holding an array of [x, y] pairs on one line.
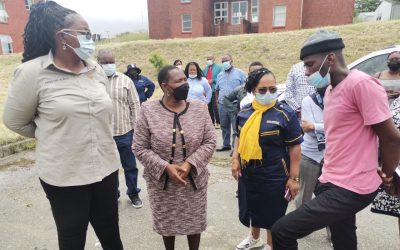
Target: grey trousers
{"points": [[310, 170]]}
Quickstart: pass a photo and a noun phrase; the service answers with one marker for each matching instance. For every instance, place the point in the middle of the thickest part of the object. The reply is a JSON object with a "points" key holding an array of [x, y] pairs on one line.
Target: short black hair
{"points": [[254, 78], [256, 63], [199, 71], [45, 19], [164, 74], [176, 62]]}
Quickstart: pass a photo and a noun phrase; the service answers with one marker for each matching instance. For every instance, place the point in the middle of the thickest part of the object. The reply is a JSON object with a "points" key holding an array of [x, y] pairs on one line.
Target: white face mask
{"points": [[109, 69], [192, 76], [267, 98], [179, 66], [210, 62], [86, 46]]}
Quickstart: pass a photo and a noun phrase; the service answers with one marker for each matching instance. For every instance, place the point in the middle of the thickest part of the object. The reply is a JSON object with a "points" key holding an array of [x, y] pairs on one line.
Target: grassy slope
{"points": [[278, 51]]}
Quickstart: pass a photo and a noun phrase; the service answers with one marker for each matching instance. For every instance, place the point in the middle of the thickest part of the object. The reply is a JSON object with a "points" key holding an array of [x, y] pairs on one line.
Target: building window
{"points": [[186, 23], [220, 12], [186, 1], [239, 10], [6, 44], [28, 4], [3, 13], [279, 16], [254, 11]]}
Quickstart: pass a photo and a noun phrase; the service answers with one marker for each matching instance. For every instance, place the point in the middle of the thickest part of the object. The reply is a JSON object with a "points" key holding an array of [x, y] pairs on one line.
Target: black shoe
{"points": [[136, 201], [223, 149]]}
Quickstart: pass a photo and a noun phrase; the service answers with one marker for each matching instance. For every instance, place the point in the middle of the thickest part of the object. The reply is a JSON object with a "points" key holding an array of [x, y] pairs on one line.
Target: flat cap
{"points": [[321, 41]]}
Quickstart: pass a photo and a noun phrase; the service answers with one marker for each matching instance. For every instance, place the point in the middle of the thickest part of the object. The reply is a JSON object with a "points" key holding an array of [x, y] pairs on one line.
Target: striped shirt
{"points": [[126, 103], [297, 87]]}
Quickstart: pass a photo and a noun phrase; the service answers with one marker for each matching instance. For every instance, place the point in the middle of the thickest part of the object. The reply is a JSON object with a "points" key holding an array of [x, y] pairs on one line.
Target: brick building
{"points": [[195, 18], [13, 18]]}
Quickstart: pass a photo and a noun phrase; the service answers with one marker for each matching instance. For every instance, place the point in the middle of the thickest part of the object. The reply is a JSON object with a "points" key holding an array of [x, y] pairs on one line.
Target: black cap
{"points": [[131, 67], [321, 41]]}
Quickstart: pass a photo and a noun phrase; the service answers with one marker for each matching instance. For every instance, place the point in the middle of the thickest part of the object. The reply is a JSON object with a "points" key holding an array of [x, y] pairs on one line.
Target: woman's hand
{"points": [[236, 168], [184, 170], [173, 173], [294, 187]]}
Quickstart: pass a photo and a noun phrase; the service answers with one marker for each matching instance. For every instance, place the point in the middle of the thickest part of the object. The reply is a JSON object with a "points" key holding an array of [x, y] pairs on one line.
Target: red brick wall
{"points": [[17, 19], [293, 15], [317, 13]]}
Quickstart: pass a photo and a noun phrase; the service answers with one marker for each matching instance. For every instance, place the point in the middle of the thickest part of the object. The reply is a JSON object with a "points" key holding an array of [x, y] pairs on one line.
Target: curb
{"points": [[17, 147]]}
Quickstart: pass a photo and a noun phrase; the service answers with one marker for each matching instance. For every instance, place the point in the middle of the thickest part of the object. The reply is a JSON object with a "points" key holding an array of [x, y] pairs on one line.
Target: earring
{"points": [[64, 47], [167, 93]]}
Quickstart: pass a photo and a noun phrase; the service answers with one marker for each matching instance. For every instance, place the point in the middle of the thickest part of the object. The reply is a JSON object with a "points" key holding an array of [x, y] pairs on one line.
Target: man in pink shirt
{"points": [[356, 115]]}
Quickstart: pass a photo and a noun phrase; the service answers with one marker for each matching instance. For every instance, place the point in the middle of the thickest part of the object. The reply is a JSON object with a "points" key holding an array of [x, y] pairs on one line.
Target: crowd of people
{"points": [[322, 140]]}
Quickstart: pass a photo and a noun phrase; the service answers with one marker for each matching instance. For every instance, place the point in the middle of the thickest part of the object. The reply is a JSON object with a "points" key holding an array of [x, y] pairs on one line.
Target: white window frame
{"points": [[188, 30], [6, 44], [223, 8], [28, 4], [3, 13], [235, 19], [255, 5], [186, 1], [274, 21]]}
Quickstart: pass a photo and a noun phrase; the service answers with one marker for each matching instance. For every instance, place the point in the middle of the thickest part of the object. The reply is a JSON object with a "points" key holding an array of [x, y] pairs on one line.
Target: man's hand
{"points": [[307, 126], [293, 186], [172, 171], [236, 168]]}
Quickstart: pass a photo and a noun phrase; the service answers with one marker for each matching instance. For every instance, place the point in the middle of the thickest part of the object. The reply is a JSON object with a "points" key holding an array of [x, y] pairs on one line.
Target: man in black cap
{"points": [[144, 86], [356, 114]]}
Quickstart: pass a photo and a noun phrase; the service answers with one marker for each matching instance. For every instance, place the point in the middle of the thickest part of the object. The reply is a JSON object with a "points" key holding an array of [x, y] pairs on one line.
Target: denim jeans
{"points": [[74, 207], [228, 121], [128, 161], [333, 206]]}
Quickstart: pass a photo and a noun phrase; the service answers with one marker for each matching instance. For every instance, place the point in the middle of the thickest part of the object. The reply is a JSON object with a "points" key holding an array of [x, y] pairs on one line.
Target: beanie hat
{"points": [[321, 41]]}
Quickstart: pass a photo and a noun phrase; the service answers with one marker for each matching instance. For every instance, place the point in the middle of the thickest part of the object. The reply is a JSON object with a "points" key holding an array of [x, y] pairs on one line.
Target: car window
{"points": [[373, 64]]}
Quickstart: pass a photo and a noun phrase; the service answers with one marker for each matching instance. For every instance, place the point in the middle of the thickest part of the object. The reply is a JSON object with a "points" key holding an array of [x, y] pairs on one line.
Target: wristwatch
{"points": [[296, 179]]}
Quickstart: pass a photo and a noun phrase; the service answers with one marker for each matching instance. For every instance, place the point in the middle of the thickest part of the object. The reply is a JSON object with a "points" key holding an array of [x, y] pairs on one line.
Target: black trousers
{"points": [[213, 109], [75, 206], [333, 206]]}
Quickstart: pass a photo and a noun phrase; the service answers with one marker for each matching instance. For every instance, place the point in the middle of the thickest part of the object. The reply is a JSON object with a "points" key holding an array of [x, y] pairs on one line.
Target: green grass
{"points": [[278, 51]]}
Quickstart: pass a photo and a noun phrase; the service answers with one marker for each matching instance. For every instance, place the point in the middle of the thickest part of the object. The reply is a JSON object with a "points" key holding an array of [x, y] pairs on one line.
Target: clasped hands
{"points": [[178, 173]]}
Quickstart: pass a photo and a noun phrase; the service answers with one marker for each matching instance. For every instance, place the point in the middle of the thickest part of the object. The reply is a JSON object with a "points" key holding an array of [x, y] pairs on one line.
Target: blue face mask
{"points": [[86, 46], [109, 69], [317, 80], [226, 65], [267, 98]]}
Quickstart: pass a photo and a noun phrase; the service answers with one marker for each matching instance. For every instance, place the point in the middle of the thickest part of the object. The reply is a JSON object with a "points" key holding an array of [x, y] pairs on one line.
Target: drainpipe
{"points": [[301, 14]]}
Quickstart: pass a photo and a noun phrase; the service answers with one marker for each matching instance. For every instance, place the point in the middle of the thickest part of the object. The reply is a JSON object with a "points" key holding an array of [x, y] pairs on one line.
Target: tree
{"points": [[366, 5], [157, 60]]}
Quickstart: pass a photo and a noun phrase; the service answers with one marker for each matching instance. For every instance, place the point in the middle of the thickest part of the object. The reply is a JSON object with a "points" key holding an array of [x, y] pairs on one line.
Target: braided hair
{"points": [[254, 78], [45, 19]]}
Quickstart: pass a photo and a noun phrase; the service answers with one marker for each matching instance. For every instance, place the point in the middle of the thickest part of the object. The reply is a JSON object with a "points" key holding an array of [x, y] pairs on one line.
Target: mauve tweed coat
{"points": [[178, 210]]}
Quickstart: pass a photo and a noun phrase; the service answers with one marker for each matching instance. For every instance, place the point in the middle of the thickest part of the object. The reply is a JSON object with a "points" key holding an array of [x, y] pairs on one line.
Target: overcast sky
{"points": [[116, 16]]}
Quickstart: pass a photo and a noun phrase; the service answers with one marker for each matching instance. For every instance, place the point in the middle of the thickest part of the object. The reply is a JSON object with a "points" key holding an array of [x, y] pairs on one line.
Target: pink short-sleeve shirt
{"points": [[351, 156]]}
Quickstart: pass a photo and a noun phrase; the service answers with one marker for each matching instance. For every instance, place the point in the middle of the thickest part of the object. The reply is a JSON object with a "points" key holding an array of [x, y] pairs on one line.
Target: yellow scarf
{"points": [[249, 147]]}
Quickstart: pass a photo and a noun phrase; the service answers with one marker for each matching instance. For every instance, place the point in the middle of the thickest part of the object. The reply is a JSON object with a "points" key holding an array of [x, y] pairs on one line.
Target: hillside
{"points": [[278, 51]]}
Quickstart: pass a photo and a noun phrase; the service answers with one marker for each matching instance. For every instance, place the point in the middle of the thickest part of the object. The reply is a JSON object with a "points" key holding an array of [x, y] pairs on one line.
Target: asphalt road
{"points": [[26, 221]]}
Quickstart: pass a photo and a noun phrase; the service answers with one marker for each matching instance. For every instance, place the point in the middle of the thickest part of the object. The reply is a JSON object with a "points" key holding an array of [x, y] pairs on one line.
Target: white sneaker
{"points": [[249, 243]]}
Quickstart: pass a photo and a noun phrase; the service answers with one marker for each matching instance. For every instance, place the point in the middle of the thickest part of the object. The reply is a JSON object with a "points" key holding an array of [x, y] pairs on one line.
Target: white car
{"points": [[372, 63]]}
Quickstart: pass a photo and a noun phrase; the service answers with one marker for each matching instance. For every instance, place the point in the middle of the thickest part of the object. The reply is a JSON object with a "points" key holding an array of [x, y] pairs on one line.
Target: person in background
{"points": [[126, 108], [175, 140], [144, 86], [266, 158], [199, 89], [356, 115], [178, 63], [227, 81], [60, 97], [239, 97], [211, 72], [390, 78], [297, 87]]}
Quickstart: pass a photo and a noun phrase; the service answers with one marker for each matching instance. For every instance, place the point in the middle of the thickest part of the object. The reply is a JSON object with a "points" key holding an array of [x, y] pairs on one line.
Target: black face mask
{"points": [[181, 92], [134, 75], [394, 65]]}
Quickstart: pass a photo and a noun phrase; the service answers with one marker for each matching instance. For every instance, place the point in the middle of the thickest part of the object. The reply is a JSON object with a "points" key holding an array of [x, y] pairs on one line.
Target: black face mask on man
{"points": [[394, 65], [181, 93]]}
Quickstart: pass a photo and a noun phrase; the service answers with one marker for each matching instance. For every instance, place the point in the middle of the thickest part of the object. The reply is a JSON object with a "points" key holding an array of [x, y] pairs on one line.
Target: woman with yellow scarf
{"points": [[266, 158]]}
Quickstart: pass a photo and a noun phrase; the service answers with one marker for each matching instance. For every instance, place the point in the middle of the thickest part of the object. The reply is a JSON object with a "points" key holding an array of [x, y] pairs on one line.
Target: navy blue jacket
{"points": [[144, 87]]}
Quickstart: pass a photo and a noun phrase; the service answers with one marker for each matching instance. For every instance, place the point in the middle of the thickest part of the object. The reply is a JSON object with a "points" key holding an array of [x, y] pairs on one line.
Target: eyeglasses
{"points": [[263, 90], [87, 34]]}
